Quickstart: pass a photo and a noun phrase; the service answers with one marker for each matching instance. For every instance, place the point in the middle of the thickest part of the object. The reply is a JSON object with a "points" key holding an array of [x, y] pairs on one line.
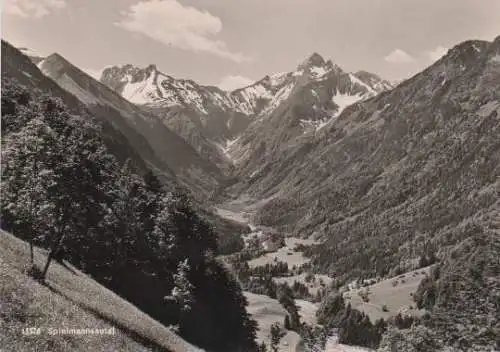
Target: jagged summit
{"points": [[208, 117], [314, 60], [152, 67], [330, 64]]}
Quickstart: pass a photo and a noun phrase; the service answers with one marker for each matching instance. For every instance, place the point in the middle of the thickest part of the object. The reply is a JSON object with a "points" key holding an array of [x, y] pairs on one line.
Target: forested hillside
{"points": [[63, 190], [398, 175]]}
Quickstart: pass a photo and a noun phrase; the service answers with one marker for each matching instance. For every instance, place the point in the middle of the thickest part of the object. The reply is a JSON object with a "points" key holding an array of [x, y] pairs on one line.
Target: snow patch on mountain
{"points": [[309, 125], [343, 100], [278, 78], [140, 92], [227, 147], [251, 95], [356, 80], [280, 96]]}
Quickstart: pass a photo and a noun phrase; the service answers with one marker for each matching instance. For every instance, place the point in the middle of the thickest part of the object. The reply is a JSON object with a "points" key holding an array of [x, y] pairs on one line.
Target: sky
{"points": [[231, 43]]}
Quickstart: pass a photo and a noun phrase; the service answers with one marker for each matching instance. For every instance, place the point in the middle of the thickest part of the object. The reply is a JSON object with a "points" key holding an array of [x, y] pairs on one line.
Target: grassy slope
{"points": [[285, 254], [69, 300], [267, 311], [396, 298]]}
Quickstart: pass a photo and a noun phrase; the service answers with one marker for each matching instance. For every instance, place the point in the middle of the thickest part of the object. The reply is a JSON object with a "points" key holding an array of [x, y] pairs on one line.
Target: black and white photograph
{"points": [[250, 176]]}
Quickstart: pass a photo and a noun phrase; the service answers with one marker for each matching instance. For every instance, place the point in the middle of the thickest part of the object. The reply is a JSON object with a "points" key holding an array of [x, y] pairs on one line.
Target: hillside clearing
{"points": [[394, 293], [285, 254], [267, 311]]}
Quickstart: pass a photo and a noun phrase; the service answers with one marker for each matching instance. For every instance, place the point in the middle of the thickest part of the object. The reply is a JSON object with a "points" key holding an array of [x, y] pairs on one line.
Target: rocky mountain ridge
{"points": [[210, 119]]}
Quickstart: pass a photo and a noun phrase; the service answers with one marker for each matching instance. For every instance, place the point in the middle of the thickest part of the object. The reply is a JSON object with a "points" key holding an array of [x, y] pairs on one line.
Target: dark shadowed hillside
{"points": [[20, 67]]}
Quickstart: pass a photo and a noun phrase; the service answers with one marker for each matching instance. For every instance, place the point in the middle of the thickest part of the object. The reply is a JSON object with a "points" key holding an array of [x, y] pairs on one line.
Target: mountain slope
{"points": [[309, 99], [20, 67], [165, 151], [394, 172], [204, 116], [67, 300]]}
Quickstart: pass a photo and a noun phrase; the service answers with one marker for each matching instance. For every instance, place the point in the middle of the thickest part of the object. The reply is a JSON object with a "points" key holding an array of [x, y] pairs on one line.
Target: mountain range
{"points": [[206, 117], [210, 119]]}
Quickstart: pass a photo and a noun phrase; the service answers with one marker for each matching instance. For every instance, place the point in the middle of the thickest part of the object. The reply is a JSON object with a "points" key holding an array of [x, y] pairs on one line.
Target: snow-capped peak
{"points": [[316, 67], [149, 86]]}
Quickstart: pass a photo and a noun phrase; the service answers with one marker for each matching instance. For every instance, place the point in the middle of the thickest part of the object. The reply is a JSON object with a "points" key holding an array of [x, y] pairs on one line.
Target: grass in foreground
{"points": [[70, 299]]}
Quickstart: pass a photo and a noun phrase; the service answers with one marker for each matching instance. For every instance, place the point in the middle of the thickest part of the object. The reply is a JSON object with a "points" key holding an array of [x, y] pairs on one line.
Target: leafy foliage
{"points": [[62, 190]]}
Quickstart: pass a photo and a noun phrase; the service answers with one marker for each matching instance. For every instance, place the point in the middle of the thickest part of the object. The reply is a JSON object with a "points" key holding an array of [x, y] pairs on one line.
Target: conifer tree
{"points": [[276, 335]]}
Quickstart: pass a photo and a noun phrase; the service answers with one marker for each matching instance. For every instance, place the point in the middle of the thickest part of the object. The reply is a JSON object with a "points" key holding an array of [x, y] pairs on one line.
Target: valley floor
{"points": [[386, 298], [267, 311]]}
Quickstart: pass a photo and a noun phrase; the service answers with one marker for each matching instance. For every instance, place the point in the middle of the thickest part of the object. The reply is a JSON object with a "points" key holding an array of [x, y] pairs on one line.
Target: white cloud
{"points": [[231, 83], [437, 53], [32, 8], [398, 56], [184, 27]]}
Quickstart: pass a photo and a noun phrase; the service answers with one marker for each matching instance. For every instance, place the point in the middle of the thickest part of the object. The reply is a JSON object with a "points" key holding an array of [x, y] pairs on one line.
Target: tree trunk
{"points": [[55, 247], [32, 262], [47, 264]]}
